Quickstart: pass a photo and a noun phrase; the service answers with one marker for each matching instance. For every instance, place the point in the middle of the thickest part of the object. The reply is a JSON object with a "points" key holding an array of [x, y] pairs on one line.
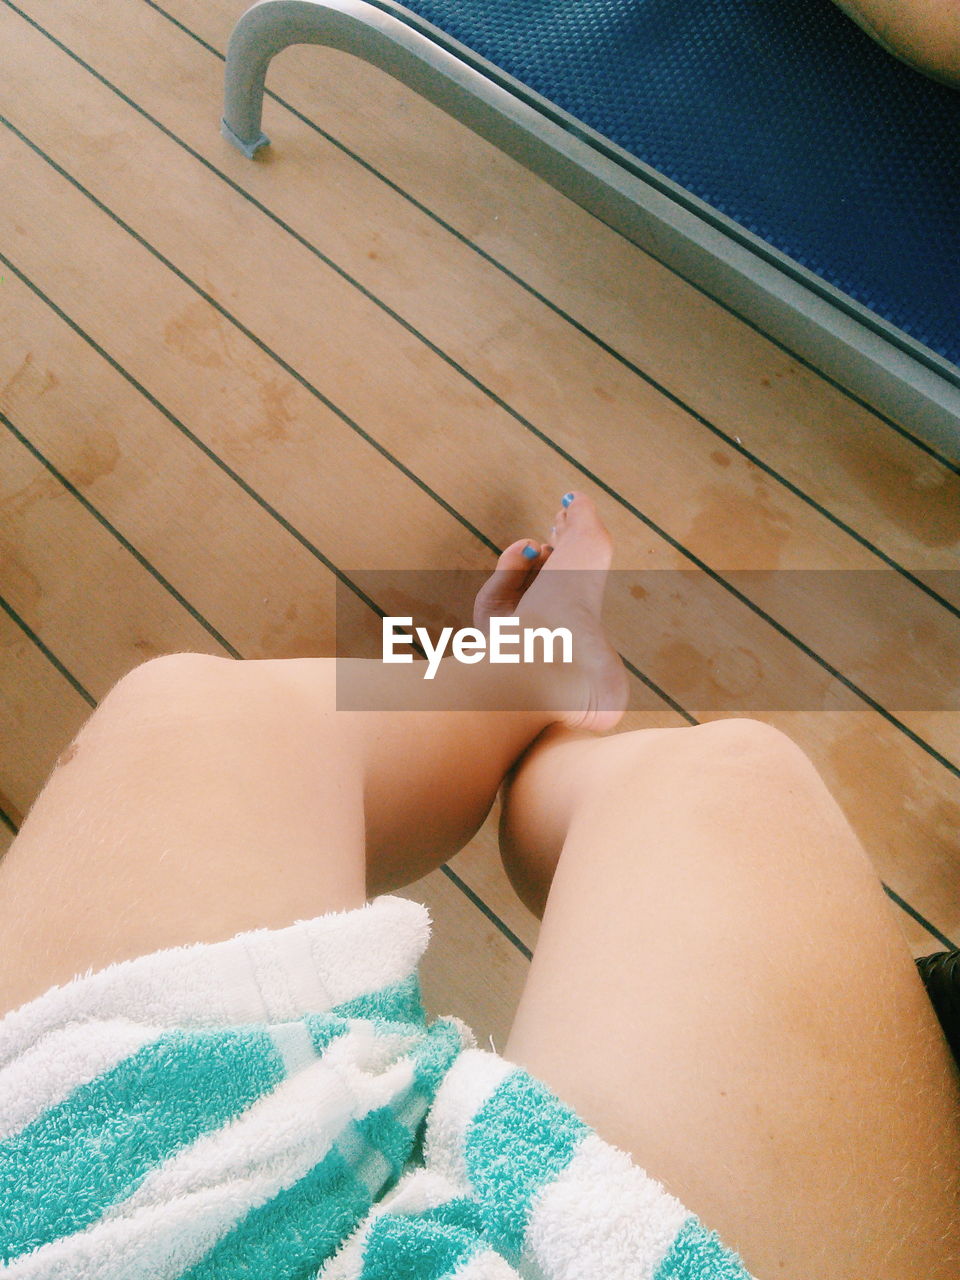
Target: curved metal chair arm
{"points": [[372, 33], [261, 33]]}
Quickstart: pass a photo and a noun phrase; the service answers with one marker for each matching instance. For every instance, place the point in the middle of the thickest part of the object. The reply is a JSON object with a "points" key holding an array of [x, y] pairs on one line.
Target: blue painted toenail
{"points": [[530, 553], [567, 499]]}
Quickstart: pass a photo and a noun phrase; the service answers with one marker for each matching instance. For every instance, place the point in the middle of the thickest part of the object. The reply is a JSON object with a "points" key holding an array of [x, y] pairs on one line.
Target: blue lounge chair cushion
{"points": [[781, 114]]}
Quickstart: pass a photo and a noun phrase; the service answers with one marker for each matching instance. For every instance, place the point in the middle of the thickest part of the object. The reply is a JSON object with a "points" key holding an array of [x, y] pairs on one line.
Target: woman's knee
{"points": [[171, 672], [676, 763], [174, 680], [175, 686], [716, 751], [742, 784], [736, 781], [181, 697], [734, 771], [747, 745]]}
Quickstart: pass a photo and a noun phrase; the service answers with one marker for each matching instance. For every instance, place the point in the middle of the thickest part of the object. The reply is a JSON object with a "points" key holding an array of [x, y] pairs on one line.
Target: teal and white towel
{"points": [[277, 1107]]}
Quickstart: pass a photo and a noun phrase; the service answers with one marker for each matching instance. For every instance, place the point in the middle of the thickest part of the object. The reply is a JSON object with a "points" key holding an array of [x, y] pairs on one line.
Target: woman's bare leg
{"points": [[721, 989], [924, 33], [205, 797]]}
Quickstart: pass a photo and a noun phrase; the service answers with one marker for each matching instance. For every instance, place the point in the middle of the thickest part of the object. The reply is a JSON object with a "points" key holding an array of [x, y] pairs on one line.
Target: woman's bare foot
{"points": [[562, 585]]}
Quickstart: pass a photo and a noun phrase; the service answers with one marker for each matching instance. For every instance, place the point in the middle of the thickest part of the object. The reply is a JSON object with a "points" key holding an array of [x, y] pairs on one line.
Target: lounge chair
{"points": [[770, 153]]}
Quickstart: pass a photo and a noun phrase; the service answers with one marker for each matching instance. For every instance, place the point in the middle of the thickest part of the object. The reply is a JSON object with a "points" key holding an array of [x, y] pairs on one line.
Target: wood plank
{"points": [[404, 258], [470, 968], [889, 839], [258, 586], [49, 544], [802, 536], [40, 712], [818, 438]]}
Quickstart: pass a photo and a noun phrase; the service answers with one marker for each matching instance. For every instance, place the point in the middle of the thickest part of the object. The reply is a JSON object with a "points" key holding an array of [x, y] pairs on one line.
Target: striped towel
{"points": [[277, 1106]]}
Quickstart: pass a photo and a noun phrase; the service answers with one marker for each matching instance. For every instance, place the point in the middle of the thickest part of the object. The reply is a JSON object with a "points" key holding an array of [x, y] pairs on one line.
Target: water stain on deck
{"points": [[920, 495], [39, 489], [736, 530], [21, 587], [197, 334], [97, 457], [29, 381], [276, 416]]}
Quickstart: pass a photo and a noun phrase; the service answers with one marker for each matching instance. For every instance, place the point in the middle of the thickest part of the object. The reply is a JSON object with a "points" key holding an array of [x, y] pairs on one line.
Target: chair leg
{"points": [[261, 33], [369, 31]]}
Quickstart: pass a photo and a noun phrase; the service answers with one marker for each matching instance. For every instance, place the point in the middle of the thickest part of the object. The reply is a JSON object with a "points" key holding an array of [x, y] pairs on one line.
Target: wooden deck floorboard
{"points": [[224, 385]]}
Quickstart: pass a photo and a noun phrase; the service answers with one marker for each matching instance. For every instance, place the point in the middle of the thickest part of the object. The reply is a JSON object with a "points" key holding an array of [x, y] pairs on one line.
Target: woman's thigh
{"points": [[924, 33], [203, 798], [721, 988]]}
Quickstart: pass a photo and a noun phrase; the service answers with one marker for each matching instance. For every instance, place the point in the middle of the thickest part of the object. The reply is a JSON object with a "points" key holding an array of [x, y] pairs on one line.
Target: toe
{"points": [[518, 556], [578, 507], [536, 563], [501, 592], [583, 519], [576, 510]]}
